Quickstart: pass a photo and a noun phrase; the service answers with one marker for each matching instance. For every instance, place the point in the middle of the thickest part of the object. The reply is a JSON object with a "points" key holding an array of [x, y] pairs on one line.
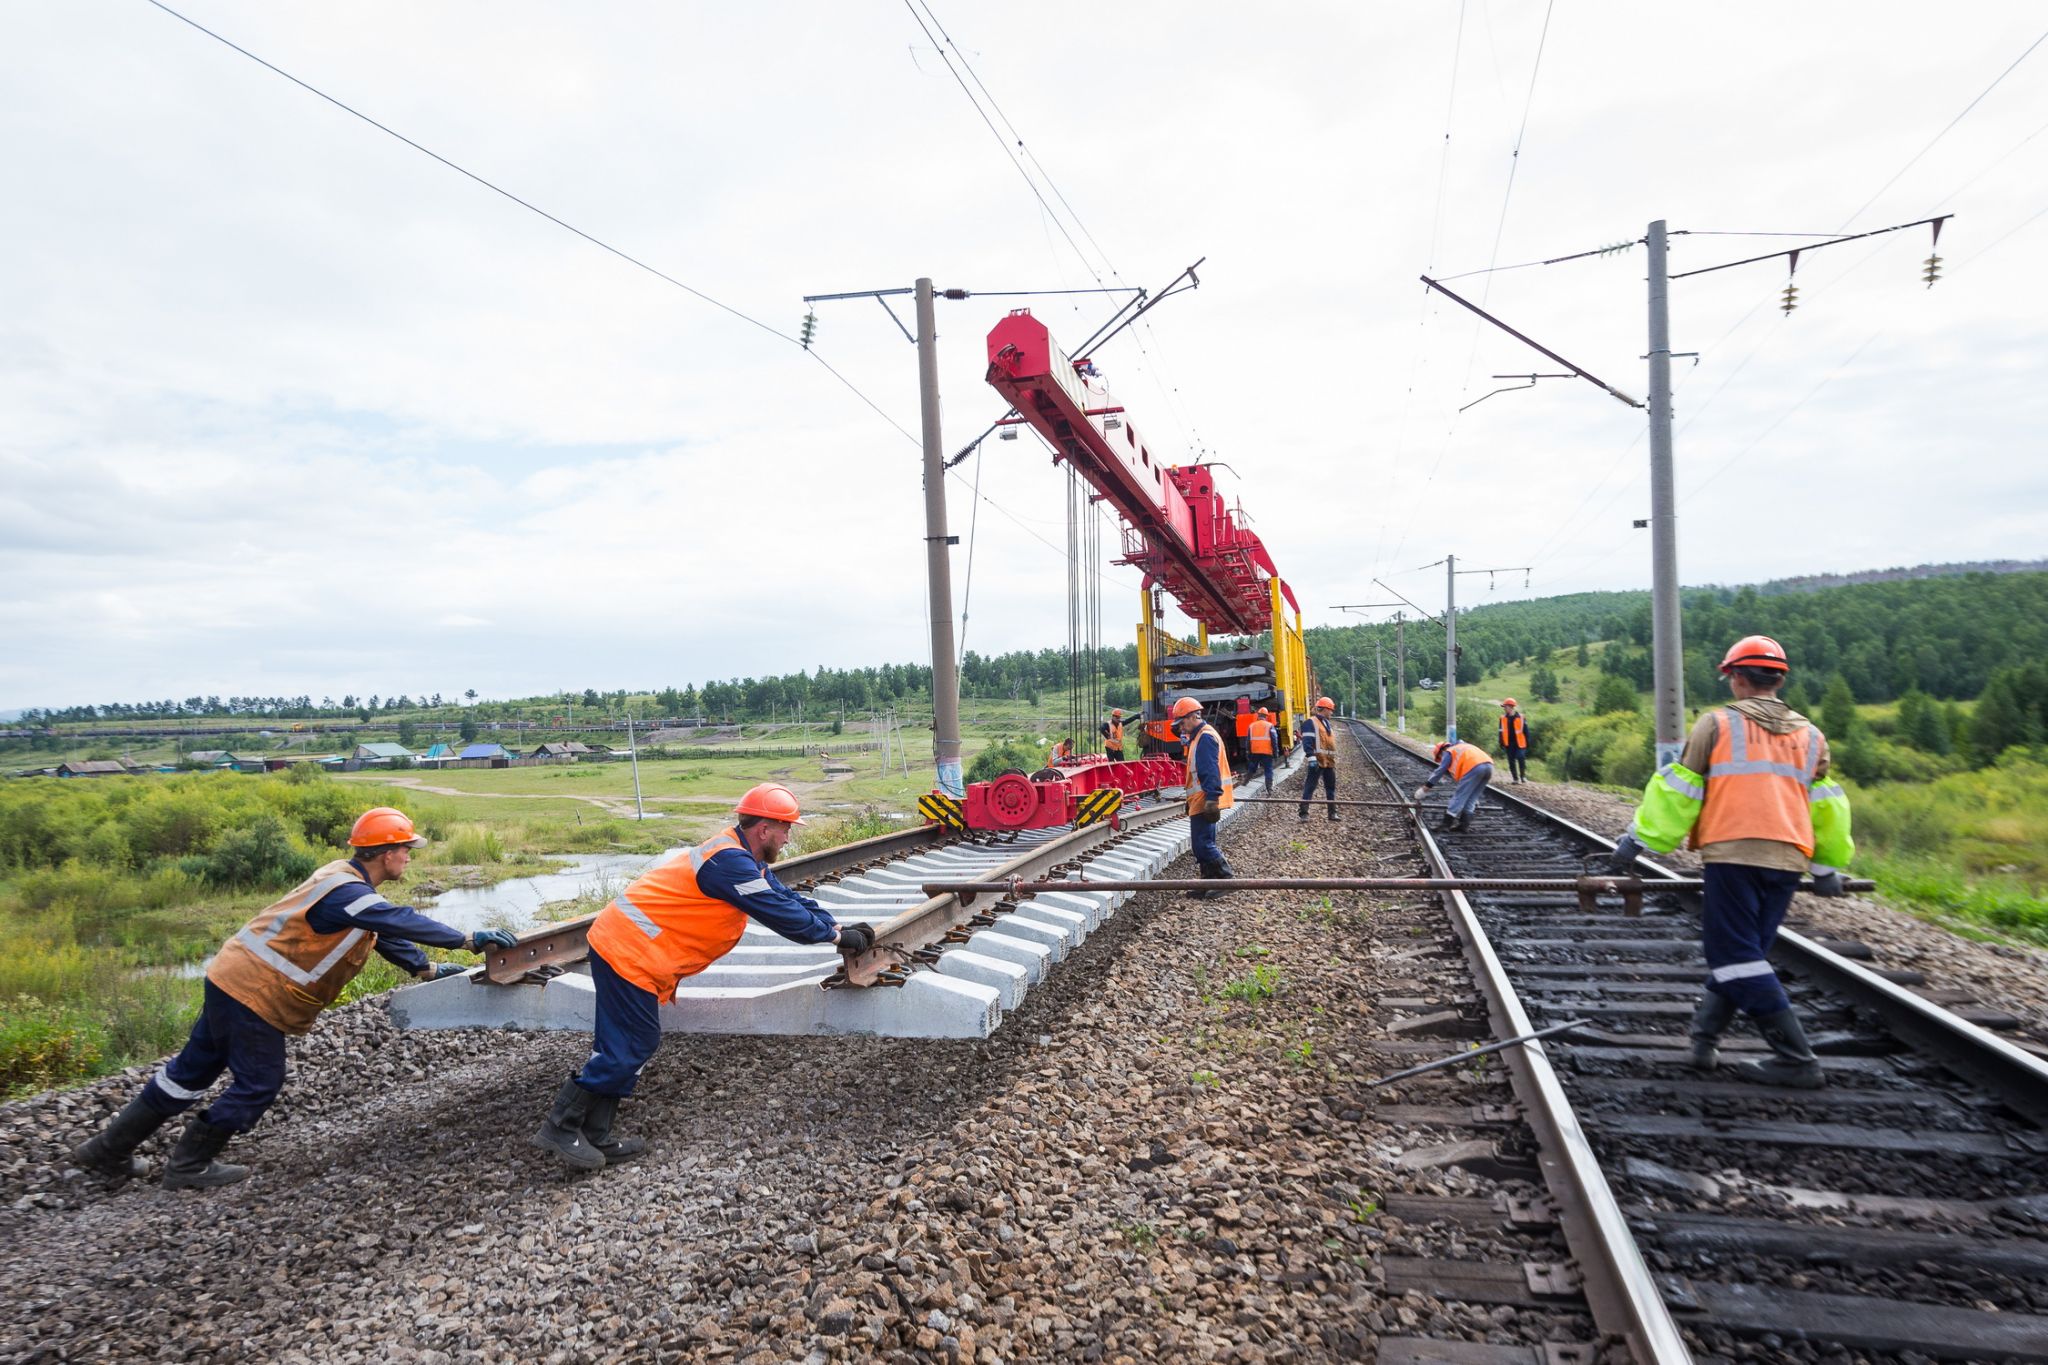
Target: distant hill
{"points": [[1815, 582]]}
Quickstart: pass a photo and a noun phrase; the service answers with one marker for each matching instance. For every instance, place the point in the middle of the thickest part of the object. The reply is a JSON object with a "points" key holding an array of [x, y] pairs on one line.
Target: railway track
{"points": [[1898, 1215]]}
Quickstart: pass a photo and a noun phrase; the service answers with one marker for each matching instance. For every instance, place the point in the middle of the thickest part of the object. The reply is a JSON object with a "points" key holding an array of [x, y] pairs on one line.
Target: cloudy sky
{"points": [[287, 406]]}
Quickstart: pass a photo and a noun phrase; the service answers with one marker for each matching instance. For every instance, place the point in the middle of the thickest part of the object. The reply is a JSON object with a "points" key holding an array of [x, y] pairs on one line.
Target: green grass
{"points": [[1257, 985]]}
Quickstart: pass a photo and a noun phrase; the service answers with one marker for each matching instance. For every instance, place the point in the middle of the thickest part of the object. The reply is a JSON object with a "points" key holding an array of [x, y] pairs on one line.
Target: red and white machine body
{"points": [[1014, 801]]}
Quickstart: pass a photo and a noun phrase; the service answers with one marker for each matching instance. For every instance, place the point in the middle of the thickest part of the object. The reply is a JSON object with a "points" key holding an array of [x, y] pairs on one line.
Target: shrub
{"points": [[471, 845], [260, 854], [1581, 753], [1614, 694], [1006, 753], [40, 1047]]}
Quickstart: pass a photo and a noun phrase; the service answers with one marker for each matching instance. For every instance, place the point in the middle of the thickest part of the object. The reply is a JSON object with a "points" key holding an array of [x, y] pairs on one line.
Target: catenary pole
{"points": [[938, 565], [1401, 665], [633, 748], [1451, 648], [1379, 671], [1666, 648]]}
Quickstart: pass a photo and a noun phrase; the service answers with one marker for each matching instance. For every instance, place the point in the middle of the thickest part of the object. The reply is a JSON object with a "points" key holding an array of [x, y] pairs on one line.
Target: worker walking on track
{"points": [[1750, 792], [1468, 765], [1514, 740], [1112, 731], [670, 922], [1319, 747], [1209, 789], [272, 979], [1259, 741]]}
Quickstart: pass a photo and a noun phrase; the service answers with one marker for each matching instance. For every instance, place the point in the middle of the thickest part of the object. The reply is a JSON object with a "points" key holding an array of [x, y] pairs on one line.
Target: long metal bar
{"points": [[1526, 340], [1596, 886], [567, 942], [1813, 246], [1625, 1300], [1503, 1045], [924, 925]]}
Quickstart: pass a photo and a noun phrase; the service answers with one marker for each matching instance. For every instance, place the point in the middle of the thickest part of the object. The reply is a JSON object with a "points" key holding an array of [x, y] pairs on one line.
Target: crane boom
{"points": [[1177, 528]]}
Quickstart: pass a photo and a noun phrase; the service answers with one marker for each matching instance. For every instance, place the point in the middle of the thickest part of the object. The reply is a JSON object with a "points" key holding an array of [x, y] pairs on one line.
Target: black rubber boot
{"points": [[1448, 823], [192, 1165], [597, 1131], [1334, 817], [561, 1132], [1465, 822], [1224, 871], [1791, 1061], [1709, 1022], [1208, 873], [111, 1151]]}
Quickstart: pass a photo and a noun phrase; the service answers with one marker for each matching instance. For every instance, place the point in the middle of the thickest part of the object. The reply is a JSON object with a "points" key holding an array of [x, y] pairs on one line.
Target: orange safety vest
{"points": [[281, 967], [1516, 737], [1116, 734], [1197, 798], [1757, 784], [1465, 757], [1262, 736], [1326, 744], [663, 927]]}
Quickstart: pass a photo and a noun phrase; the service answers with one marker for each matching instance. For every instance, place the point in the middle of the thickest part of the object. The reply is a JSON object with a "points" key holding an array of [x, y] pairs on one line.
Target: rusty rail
{"points": [[567, 942], [1582, 886], [915, 935]]}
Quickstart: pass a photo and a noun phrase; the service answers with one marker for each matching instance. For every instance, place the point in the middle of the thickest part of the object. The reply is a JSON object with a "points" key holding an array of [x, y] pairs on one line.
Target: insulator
{"points": [[1930, 270], [810, 329], [1790, 300]]}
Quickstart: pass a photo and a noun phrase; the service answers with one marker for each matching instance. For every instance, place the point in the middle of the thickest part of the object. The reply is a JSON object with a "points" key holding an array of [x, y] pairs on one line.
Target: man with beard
{"points": [[671, 922]]}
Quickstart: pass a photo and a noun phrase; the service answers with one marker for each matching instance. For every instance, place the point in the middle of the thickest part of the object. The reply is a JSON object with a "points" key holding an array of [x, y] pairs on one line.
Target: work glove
{"points": [[1622, 862], [1421, 792], [447, 969], [484, 940], [855, 939], [1208, 815], [1828, 883]]}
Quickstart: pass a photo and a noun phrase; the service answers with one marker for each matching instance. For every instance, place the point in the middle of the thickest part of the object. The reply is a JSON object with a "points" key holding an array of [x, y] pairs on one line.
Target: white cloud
{"points": [[266, 373]]}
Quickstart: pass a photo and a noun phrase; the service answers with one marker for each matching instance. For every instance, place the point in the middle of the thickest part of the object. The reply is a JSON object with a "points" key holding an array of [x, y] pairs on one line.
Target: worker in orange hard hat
{"points": [[1208, 787], [673, 921], [1112, 732], [272, 979], [1319, 749], [1467, 765], [1750, 791], [1260, 740], [1514, 739]]}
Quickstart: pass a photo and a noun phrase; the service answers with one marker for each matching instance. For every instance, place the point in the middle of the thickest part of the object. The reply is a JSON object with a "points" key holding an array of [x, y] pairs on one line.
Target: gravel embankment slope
{"points": [[1133, 1168]]}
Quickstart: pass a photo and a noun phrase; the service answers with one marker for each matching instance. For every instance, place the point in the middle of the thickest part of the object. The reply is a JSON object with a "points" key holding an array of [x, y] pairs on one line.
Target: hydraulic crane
{"points": [[1187, 541]]}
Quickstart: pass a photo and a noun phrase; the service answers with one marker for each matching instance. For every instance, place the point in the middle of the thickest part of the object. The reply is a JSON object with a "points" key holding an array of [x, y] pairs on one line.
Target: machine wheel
{"points": [[1048, 775]]}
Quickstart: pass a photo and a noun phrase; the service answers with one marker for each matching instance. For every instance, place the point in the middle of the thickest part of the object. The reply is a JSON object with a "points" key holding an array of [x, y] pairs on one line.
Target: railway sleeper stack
{"points": [[768, 985]]}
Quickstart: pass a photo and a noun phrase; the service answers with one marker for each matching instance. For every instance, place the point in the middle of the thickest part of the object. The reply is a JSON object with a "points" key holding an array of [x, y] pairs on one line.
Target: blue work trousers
{"points": [[1469, 789], [1202, 834], [1262, 763], [1328, 777], [227, 1036], [1744, 907], [627, 1032]]}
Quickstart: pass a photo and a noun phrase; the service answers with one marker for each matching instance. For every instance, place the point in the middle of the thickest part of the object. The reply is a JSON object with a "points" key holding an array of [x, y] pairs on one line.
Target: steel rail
{"points": [[922, 927], [560, 944], [1590, 885], [2012, 1073], [1623, 1296]]}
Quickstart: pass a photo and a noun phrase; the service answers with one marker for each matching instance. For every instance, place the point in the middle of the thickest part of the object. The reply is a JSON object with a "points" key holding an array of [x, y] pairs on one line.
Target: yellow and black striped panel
{"points": [[942, 809], [1099, 805]]}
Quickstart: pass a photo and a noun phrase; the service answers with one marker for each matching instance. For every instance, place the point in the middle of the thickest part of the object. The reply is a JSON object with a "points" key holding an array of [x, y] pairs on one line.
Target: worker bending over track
{"points": [[1514, 740], [1749, 791], [1319, 748], [1468, 765], [1209, 790], [1112, 731], [670, 922], [1258, 738], [271, 979]]}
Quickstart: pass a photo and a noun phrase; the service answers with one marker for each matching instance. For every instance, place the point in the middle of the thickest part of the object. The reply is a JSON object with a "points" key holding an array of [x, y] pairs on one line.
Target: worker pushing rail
{"points": [[1750, 792], [272, 979], [1471, 768]]}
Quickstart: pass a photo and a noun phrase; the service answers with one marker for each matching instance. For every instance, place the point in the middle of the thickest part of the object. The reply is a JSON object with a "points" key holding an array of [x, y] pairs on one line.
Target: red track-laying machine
{"points": [[1191, 546]]}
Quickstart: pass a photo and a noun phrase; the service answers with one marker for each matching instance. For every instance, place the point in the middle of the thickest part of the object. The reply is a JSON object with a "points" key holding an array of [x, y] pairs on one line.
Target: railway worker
{"points": [[670, 922], [1112, 731], [1319, 747], [1750, 792], [1062, 749], [271, 979], [1259, 737], [1514, 740], [1468, 765], [1208, 786]]}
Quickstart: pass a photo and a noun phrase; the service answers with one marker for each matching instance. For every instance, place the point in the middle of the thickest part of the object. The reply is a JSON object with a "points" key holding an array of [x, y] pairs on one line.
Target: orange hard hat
{"points": [[1325, 704], [1117, 712], [1438, 751], [772, 801], [1264, 714], [1507, 701], [1186, 706], [1755, 651], [383, 826]]}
